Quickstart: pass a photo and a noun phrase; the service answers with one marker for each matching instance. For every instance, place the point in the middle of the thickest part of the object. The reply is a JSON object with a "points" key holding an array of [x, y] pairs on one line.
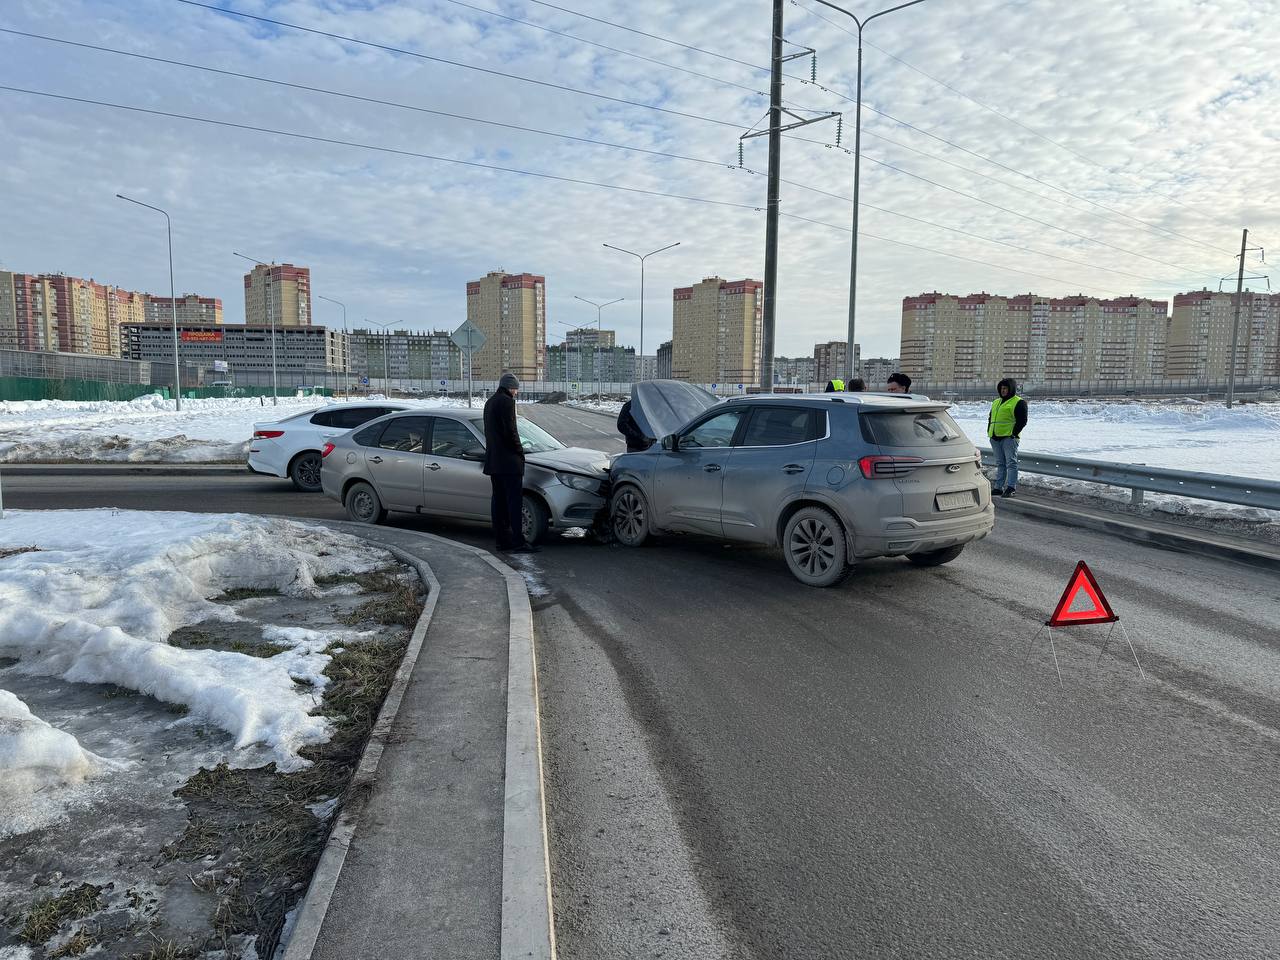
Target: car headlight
{"points": [[578, 482]]}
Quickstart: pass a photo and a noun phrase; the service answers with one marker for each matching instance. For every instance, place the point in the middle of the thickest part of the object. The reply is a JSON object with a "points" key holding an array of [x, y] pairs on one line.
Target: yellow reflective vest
{"points": [[1002, 417]]}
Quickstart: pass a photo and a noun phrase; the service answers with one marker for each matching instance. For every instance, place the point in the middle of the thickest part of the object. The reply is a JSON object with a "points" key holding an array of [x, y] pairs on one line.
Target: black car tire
{"points": [[305, 471], [936, 558], [816, 548], [629, 516], [533, 519], [364, 505]]}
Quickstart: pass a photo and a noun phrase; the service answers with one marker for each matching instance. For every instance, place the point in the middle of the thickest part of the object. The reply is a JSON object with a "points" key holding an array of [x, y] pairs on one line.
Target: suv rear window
{"points": [[902, 428]]}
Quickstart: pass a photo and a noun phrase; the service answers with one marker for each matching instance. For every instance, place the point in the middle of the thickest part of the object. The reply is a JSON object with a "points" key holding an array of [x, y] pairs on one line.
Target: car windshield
{"points": [[534, 439]]}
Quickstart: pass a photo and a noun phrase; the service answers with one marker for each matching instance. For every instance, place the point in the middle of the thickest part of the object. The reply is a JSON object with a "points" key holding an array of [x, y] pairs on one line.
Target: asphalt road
{"points": [[742, 766]]}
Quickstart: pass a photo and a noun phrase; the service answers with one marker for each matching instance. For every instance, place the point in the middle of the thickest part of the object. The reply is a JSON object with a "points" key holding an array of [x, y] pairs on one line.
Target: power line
{"points": [[334, 141], [453, 63], [690, 116], [557, 135], [953, 145]]}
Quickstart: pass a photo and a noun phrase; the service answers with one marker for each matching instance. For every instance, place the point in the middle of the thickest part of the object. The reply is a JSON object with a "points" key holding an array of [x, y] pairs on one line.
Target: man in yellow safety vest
{"points": [[1005, 423]]}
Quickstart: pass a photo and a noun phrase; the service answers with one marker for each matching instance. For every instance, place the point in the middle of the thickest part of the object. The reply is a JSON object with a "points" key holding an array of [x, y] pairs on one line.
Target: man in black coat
{"points": [[504, 465], [627, 426]]}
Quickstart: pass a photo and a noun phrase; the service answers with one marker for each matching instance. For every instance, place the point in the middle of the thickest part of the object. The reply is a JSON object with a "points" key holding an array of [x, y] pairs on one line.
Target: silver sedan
{"points": [[429, 461]]}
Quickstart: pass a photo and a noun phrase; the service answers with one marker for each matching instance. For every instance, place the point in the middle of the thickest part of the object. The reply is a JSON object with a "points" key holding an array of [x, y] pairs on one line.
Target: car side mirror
{"points": [[671, 442], [473, 453]]}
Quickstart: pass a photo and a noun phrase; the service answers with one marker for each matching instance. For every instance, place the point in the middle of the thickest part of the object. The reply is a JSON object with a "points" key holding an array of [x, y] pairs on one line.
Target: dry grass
{"points": [[246, 593], [77, 945], [46, 917], [397, 603], [14, 551]]}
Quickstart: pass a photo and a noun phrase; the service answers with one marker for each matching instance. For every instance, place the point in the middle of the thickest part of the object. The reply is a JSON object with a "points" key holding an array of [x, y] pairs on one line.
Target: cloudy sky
{"points": [[1098, 146]]}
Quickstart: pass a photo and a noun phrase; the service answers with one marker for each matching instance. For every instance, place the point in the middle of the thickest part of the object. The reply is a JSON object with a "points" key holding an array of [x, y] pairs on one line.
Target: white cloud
{"points": [[1168, 100]]}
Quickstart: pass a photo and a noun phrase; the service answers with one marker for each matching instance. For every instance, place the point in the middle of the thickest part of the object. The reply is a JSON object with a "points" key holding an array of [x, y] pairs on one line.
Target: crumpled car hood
{"points": [[662, 407], [593, 463]]}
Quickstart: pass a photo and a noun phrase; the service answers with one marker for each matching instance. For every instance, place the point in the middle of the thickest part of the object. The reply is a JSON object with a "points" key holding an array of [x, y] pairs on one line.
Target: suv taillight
{"points": [[267, 434], [326, 450], [886, 468]]}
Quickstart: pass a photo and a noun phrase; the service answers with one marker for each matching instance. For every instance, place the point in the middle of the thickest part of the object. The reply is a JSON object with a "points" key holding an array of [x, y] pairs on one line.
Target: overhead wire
{"points": [[579, 181], [553, 134]]}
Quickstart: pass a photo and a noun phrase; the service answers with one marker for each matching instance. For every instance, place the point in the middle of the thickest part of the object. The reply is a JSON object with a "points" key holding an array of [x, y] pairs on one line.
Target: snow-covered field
{"points": [[95, 602], [146, 429]]}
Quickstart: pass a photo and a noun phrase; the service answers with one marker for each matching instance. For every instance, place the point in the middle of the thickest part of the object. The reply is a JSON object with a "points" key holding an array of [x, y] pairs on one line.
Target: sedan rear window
{"points": [[368, 437], [906, 429]]}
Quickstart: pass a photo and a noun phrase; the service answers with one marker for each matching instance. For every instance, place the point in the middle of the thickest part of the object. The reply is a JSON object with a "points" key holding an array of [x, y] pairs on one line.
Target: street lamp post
{"points": [[857, 163], [599, 309], [642, 257], [346, 345], [173, 301], [271, 319]]}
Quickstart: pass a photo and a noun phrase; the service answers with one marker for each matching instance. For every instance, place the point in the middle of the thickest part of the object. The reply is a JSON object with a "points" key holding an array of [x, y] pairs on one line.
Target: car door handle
{"points": [[793, 468], [375, 459], [433, 466], [712, 468]]}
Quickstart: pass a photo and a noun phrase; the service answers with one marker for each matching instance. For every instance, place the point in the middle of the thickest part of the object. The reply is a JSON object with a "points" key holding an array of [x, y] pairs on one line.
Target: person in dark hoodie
{"points": [[1005, 423], [504, 465], [627, 426]]}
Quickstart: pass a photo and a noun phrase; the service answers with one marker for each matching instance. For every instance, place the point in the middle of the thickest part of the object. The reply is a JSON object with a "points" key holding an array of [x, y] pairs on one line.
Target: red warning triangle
{"points": [[1098, 611]]}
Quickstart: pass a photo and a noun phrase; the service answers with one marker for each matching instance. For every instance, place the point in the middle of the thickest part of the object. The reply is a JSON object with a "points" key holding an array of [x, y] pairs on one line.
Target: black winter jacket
{"points": [[503, 454], [627, 426]]}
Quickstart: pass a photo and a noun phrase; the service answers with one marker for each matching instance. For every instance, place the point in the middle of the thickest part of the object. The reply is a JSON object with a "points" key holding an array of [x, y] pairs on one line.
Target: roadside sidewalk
{"points": [[448, 856]]}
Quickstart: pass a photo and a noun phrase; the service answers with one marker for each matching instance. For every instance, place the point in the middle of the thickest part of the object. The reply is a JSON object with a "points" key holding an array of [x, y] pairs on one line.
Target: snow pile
{"points": [[1184, 435], [599, 406], [147, 429], [33, 757], [99, 599]]}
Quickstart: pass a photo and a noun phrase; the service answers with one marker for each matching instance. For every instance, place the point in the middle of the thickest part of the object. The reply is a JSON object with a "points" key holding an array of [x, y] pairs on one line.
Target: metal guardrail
{"points": [[1138, 478]]}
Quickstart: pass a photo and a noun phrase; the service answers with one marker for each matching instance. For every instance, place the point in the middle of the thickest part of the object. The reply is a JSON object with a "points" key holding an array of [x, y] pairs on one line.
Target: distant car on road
{"points": [[429, 460], [830, 478], [291, 447]]}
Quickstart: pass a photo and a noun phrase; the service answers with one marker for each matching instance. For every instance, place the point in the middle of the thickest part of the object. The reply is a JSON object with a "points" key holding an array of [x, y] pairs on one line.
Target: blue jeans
{"points": [[1006, 454]]}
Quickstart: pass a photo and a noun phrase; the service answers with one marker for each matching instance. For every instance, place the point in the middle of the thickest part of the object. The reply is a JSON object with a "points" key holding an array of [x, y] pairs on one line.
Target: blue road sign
{"points": [[364, 381]]}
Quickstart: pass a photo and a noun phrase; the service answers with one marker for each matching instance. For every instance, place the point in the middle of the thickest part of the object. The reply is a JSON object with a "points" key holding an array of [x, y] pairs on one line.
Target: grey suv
{"points": [[831, 478]]}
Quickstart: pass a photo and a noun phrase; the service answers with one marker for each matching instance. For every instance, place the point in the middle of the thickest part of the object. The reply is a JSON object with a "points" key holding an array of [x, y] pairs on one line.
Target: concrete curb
{"points": [[1191, 541], [315, 903]]}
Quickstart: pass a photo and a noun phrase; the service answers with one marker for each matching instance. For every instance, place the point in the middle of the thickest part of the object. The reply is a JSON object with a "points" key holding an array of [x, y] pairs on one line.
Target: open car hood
{"points": [[592, 463], [662, 407]]}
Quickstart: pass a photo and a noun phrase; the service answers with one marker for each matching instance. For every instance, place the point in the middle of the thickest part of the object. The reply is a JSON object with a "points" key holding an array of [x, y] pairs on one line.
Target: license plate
{"points": [[956, 501]]}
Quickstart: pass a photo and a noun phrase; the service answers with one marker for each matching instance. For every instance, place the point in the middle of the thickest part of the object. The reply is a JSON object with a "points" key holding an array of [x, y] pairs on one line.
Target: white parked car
{"points": [[291, 447]]}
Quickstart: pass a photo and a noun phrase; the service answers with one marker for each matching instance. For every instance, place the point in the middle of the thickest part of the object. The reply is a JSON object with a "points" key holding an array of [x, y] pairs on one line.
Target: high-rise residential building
{"points": [[876, 370], [663, 361], [8, 312], [647, 368], [831, 360], [510, 309], [569, 362], [191, 309], [716, 331], [405, 355], [1200, 335], [56, 312], [588, 337], [278, 293], [794, 371], [984, 337]]}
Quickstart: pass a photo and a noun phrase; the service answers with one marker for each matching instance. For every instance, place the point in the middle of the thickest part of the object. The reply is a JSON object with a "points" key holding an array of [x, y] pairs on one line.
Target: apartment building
{"points": [[1200, 335], [587, 338], [831, 360], [278, 293], [663, 361], [876, 370], [569, 362], [510, 309], [191, 309], [984, 337], [794, 371], [75, 315], [716, 331], [405, 355]]}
